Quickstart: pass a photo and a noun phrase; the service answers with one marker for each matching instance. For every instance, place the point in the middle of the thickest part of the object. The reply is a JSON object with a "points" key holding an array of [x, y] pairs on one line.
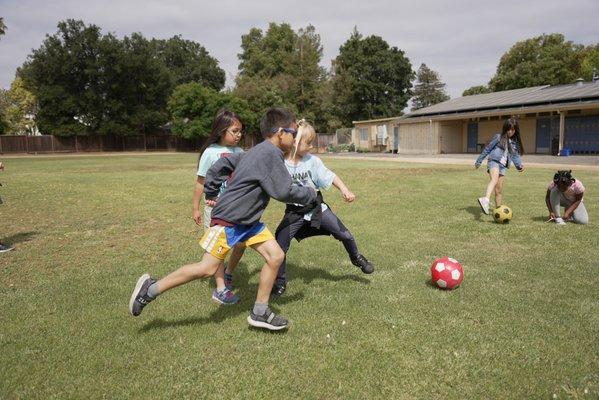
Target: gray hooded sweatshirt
{"points": [[255, 177]]}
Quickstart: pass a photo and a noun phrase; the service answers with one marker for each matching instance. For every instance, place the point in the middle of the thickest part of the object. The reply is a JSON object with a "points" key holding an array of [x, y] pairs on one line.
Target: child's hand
{"points": [[197, 217], [210, 203], [476, 166], [348, 196]]}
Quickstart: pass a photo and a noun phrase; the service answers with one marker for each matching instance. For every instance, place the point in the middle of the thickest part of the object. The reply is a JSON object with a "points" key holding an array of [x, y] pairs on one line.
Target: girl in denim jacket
{"points": [[504, 147]]}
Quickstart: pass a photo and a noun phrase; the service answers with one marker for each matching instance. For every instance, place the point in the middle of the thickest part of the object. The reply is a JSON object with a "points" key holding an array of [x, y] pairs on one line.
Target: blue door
{"points": [[547, 134], [472, 137], [581, 134]]}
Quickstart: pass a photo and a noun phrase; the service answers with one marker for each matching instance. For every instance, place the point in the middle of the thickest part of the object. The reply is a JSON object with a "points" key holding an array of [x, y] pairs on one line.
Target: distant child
{"points": [[565, 191], [259, 175], [4, 248], [227, 130], [503, 148]]}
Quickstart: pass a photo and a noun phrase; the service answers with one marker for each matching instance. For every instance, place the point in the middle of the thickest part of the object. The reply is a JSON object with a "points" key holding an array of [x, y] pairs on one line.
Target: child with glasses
{"points": [[260, 174], [227, 130]]}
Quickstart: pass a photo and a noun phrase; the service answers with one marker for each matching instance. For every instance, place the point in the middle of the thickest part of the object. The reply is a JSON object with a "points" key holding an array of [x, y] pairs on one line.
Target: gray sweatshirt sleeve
{"points": [[277, 183], [218, 173]]}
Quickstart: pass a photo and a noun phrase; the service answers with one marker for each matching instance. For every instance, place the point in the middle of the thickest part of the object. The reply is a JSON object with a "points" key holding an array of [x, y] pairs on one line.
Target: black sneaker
{"points": [[269, 320], [4, 248], [363, 263], [139, 297], [279, 288]]}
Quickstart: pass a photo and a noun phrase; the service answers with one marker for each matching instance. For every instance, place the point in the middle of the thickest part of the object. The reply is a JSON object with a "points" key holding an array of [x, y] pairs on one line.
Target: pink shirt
{"points": [[575, 189]]}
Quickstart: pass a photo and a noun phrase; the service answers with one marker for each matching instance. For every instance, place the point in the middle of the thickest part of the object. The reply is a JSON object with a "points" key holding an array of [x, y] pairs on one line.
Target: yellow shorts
{"points": [[218, 240]]}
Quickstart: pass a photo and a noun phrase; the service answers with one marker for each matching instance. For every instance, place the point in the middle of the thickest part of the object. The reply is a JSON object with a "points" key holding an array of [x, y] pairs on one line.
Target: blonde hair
{"points": [[305, 132]]}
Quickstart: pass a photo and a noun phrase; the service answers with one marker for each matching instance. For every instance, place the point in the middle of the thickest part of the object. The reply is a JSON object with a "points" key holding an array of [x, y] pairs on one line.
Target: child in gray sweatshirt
{"points": [[259, 175]]}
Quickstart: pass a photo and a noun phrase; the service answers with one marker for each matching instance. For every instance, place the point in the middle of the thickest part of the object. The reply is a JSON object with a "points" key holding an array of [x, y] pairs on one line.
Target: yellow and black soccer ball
{"points": [[502, 214]]}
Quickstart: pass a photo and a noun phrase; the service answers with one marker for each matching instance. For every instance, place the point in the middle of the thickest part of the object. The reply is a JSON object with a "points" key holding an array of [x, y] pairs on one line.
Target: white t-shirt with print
{"points": [[310, 171]]}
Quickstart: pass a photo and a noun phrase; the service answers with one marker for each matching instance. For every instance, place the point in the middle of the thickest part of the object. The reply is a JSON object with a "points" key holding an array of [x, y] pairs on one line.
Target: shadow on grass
{"points": [[216, 316], [310, 274], [475, 211], [539, 219], [20, 237]]}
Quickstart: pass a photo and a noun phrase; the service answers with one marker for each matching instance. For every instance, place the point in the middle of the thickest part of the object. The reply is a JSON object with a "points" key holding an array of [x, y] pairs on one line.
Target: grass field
{"points": [[523, 325]]}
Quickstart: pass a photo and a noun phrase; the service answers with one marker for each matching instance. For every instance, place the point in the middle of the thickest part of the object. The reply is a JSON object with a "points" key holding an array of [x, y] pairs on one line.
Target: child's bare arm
{"points": [[568, 213], [345, 192]]}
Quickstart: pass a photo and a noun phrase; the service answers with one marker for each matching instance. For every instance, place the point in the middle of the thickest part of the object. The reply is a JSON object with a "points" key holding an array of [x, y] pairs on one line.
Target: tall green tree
{"points": [[370, 79], [547, 59], [89, 83], [479, 89], [280, 67], [428, 89], [188, 61], [193, 107]]}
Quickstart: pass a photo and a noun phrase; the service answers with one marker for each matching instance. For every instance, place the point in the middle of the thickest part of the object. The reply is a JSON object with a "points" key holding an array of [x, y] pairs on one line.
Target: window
{"points": [[363, 134], [381, 135]]}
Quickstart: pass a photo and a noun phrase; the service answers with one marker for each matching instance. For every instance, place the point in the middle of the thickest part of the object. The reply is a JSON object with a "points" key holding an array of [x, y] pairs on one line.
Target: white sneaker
{"points": [[484, 204], [560, 221]]}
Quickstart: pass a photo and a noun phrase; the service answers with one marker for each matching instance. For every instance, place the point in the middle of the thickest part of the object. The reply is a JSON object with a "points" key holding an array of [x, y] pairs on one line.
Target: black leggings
{"points": [[329, 223]]}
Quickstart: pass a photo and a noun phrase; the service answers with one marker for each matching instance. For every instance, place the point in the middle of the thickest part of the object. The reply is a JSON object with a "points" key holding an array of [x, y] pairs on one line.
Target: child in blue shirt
{"points": [[227, 130]]}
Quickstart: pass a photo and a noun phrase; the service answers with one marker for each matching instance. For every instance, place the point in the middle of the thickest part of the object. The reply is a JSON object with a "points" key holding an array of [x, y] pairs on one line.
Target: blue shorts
{"points": [[494, 164]]}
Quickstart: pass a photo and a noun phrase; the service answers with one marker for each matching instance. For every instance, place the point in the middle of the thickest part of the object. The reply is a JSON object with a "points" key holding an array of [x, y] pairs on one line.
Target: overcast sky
{"points": [[462, 39]]}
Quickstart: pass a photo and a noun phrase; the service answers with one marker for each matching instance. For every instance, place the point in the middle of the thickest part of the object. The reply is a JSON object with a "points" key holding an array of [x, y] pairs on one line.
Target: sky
{"points": [[462, 40]]}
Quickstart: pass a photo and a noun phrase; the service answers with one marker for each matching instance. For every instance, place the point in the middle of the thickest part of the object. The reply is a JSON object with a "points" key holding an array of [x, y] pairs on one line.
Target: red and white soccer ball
{"points": [[447, 273]]}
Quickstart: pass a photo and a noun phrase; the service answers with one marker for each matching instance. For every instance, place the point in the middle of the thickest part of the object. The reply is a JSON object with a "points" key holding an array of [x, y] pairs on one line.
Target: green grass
{"points": [[524, 323]]}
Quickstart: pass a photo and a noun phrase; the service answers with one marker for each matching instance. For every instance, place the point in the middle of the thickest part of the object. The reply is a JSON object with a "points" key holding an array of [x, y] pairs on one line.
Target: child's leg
{"points": [[493, 178], [273, 255], [284, 235], [236, 254], [219, 277], [499, 190], [331, 223], [581, 215], [187, 273]]}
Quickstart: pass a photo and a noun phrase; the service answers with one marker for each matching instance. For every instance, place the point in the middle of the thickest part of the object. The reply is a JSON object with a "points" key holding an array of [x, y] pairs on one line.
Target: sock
{"points": [[260, 308], [153, 290]]}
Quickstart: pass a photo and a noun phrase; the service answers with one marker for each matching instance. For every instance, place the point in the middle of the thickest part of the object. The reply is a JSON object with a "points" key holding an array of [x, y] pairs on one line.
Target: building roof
{"points": [[367, 121], [525, 97]]}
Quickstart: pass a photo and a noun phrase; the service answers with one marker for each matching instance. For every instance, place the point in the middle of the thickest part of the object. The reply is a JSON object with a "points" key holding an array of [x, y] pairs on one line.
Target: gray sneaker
{"points": [[139, 297], [560, 221], [269, 320], [4, 248]]}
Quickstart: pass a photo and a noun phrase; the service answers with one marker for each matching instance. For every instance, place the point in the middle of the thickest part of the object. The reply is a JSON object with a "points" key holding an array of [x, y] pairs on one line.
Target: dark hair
{"points": [[563, 176], [222, 121], [275, 118], [508, 125]]}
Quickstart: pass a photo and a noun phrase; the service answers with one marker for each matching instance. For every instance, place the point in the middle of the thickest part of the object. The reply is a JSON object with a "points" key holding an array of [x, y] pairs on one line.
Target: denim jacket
{"points": [[495, 152]]}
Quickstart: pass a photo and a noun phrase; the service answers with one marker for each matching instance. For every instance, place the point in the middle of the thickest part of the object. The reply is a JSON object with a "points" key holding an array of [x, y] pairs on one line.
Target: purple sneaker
{"points": [[225, 296]]}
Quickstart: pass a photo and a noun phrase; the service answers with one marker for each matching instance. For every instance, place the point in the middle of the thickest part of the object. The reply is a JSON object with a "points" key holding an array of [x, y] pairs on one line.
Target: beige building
{"points": [[552, 118]]}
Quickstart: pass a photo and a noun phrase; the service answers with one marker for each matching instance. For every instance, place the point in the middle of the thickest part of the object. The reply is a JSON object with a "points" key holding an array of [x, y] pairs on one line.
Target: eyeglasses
{"points": [[235, 133], [288, 130]]}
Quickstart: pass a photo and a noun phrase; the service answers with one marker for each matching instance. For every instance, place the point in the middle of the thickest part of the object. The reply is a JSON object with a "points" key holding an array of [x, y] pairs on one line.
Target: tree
{"points": [[281, 68], [589, 62], [2, 26], [19, 108], [193, 108], [542, 60], [480, 89], [188, 61], [89, 83], [429, 89], [370, 79]]}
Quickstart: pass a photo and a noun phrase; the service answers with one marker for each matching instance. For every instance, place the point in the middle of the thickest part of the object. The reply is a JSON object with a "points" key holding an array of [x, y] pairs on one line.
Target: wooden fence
{"points": [[74, 144]]}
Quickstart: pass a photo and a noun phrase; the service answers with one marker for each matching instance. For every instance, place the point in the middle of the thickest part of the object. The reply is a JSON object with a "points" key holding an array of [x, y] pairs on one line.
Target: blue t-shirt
{"points": [[211, 155], [311, 172]]}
